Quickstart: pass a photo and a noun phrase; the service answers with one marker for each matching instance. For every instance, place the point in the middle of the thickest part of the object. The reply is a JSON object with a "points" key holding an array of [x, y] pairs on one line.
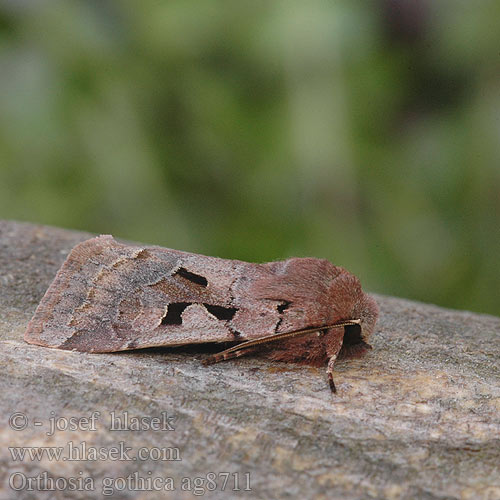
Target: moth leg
{"points": [[224, 356], [329, 373], [332, 349]]}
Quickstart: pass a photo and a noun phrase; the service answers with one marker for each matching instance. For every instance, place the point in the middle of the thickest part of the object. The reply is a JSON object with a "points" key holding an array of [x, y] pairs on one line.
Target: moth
{"points": [[108, 296]]}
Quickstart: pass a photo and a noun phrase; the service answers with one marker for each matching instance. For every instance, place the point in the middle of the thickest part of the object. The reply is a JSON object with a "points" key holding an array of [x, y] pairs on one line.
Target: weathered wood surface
{"points": [[417, 418]]}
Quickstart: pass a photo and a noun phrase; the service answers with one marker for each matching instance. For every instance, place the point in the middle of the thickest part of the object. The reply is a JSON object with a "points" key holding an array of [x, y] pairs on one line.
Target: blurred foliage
{"points": [[364, 132]]}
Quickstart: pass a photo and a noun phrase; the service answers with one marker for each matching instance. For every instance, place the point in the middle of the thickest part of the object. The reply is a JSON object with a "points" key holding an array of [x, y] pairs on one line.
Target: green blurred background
{"points": [[364, 132]]}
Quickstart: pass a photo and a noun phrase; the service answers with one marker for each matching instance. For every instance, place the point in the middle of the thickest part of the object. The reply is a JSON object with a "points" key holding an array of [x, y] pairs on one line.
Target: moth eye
{"points": [[220, 312], [174, 312], [352, 334], [194, 278]]}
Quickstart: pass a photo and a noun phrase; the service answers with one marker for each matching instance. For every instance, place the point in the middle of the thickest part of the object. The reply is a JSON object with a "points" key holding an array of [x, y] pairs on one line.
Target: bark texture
{"points": [[416, 418]]}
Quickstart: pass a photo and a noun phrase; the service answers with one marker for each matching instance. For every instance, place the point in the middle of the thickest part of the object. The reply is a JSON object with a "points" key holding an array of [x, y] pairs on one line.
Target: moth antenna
{"points": [[244, 346], [224, 356]]}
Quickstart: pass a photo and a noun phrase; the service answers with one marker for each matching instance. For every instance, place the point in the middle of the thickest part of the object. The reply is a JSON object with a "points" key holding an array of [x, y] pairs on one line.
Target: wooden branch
{"points": [[417, 417]]}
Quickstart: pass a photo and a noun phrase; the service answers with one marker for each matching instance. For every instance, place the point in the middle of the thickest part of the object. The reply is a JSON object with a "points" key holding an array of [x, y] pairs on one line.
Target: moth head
{"points": [[366, 311]]}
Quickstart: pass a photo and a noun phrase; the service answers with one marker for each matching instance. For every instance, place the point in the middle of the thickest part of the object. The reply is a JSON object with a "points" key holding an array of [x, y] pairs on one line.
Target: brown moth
{"points": [[108, 297]]}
